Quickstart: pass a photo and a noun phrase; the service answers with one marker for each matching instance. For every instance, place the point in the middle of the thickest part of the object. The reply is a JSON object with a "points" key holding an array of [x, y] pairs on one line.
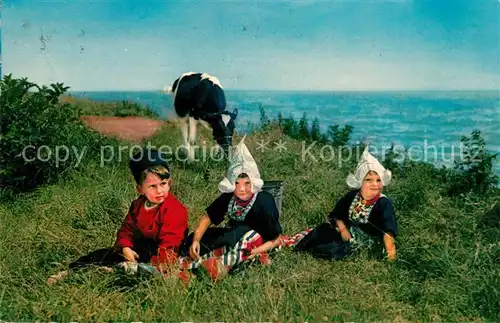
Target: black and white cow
{"points": [[199, 98]]}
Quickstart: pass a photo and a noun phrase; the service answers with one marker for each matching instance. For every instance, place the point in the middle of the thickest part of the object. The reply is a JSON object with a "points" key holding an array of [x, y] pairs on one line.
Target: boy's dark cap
{"points": [[146, 158]]}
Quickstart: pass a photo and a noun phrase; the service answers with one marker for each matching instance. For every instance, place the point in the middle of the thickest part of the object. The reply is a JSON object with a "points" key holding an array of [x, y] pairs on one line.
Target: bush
{"points": [[339, 136], [303, 128], [474, 172], [316, 131], [289, 127], [264, 120], [300, 130], [33, 118]]}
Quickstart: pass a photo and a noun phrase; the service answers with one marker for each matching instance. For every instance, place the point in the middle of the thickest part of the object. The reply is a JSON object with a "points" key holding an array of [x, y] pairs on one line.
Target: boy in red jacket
{"points": [[156, 223]]}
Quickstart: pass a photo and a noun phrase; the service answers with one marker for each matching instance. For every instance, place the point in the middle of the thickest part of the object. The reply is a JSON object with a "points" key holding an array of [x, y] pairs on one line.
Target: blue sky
{"points": [[279, 45]]}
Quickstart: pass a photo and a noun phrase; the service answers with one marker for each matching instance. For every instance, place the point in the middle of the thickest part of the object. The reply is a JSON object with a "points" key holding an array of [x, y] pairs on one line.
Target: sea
{"points": [[429, 125]]}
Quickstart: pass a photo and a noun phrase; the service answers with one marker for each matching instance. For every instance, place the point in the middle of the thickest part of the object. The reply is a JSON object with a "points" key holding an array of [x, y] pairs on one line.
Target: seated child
{"points": [[253, 227], [155, 225], [359, 218]]}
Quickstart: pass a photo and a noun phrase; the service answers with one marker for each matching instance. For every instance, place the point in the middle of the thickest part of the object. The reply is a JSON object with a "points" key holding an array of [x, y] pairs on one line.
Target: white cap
{"points": [[368, 163], [241, 161]]}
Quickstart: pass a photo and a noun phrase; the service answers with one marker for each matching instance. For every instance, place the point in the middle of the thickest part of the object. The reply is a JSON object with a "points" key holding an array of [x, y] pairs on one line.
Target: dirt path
{"points": [[126, 128]]}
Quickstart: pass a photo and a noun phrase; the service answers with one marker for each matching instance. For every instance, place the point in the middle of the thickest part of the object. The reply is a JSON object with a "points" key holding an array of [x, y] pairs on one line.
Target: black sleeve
{"points": [[218, 209], [341, 209], [389, 224], [267, 217]]}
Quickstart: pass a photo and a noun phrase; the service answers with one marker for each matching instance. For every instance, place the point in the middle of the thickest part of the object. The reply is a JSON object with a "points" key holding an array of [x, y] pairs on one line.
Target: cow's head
{"points": [[223, 125]]}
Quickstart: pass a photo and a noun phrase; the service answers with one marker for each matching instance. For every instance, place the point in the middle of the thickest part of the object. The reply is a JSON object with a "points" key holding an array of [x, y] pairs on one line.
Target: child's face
{"points": [[243, 188], [154, 188], [372, 186]]}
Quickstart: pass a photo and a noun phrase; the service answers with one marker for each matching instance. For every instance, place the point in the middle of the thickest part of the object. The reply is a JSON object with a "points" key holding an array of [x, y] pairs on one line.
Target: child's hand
{"points": [[345, 234], [252, 254], [194, 250], [130, 254], [391, 256]]}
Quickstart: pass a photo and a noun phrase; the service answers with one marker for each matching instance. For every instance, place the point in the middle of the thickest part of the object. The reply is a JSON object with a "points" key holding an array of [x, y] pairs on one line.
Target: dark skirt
{"points": [[324, 242]]}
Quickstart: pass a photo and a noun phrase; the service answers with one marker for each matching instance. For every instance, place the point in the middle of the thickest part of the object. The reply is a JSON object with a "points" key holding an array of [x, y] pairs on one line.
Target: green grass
{"points": [[116, 108], [447, 268]]}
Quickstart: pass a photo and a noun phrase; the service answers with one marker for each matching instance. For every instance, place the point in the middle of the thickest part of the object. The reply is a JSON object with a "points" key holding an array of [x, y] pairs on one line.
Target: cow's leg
{"points": [[184, 132], [192, 138]]}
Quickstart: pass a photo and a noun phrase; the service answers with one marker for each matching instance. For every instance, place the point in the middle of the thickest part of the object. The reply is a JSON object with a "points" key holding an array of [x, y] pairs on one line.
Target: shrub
{"points": [[474, 172], [303, 128], [33, 125], [289, 127], [339, 136], [300, 130], [315, 130], [264, 120]]}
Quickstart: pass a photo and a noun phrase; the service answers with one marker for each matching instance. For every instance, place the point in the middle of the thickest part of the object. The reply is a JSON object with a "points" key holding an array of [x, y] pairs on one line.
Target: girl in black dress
{"points": [[360, 218]]}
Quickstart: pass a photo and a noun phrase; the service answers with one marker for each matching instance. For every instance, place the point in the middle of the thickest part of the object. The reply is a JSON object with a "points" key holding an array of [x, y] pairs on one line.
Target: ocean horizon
{"points": [[432, 121]]}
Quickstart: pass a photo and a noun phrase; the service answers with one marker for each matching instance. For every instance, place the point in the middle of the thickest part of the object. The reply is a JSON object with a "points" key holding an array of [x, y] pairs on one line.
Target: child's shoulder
{"points": [[384, 201], [352, 193], [348, 197], [224, 197], [265, 196], [138, 201]]}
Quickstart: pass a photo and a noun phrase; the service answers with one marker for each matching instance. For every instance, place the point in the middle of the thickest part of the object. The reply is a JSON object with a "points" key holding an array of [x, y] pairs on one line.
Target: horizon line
{"points": [[301, 90]]}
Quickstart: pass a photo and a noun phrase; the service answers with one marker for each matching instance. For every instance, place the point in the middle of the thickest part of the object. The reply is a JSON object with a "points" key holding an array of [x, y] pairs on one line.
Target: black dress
{"points": [[324, 241]]}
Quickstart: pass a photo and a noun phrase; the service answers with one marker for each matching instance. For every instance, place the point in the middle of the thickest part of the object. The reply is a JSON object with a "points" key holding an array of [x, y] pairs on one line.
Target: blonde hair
{"points": [[158, 170]]}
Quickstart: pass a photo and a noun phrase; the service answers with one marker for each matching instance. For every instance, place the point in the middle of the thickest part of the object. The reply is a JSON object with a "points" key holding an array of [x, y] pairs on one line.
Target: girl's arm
{"points": [[202, 227], [194, 249], [269, 245], [390, 246], [344, 232], [341, 225]]}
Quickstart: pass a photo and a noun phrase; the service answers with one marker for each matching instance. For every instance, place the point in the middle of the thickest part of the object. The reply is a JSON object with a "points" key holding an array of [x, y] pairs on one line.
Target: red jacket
{"points": [[166, 224]]}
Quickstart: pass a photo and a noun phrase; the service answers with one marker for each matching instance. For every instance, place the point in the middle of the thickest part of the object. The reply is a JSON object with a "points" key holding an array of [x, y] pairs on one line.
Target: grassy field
{"points": [[447, 268]]}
